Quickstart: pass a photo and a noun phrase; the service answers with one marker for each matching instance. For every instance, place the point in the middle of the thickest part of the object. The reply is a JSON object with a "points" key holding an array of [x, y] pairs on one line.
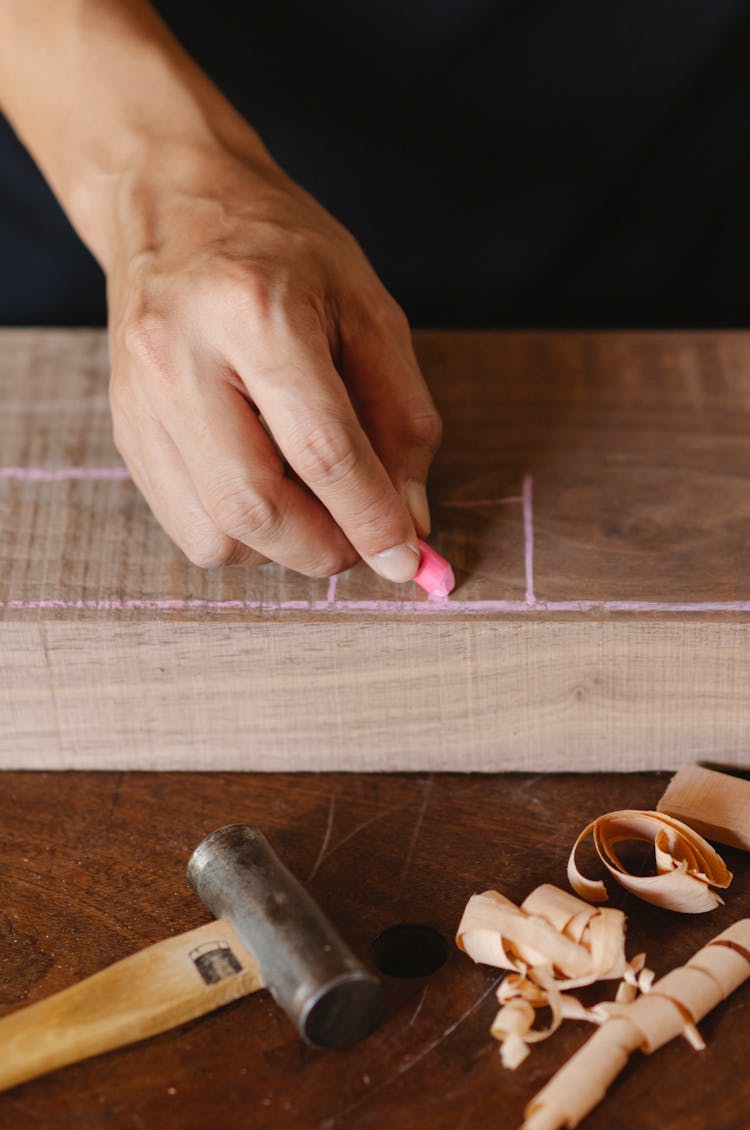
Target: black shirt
{"points": [[526, 162]]}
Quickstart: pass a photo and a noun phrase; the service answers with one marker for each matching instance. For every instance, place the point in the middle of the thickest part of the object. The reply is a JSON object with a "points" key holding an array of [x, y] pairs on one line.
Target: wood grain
{"points": [[93, 869], [148, 992], [606, 624], [715, 804]]}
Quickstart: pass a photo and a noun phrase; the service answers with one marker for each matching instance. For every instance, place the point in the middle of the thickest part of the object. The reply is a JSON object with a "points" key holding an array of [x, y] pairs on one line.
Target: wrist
{"points": [[105, 99], [119, 203]]}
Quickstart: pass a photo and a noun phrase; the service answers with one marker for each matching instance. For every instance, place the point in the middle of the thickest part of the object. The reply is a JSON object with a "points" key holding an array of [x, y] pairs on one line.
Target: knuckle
{"points": [[323, 453], [210, 553], [246, 289], [318, 569], [398, 320], [145, 337], [426, 428], [247, 516], [239, 291], [386, 314], [330, 565], [249, 300], [244, 556], [374, 521]]}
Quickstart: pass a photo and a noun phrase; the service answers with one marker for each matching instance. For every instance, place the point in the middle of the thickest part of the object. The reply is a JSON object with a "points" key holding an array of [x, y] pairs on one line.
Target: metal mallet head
{"points": [[329, 996], [269, 934]]}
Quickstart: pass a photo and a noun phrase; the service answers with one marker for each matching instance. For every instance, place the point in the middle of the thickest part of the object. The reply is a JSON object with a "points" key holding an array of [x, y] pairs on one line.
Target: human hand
{"points": [[264, 391], [265, 394]]}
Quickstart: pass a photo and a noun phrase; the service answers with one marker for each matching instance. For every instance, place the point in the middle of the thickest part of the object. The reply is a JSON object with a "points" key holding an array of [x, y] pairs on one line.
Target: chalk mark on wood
{"points": [[365, 607], [331, 594], [528, 539], [62, 474], [441, 606]]}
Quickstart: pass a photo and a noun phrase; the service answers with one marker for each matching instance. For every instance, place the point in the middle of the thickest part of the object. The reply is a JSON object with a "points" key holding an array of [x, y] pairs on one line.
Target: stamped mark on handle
{"points": [[215, 961]]}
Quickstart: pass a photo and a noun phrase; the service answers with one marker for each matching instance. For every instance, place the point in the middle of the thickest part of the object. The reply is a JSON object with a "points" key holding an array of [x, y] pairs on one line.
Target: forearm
{"points": [[100, 91]]}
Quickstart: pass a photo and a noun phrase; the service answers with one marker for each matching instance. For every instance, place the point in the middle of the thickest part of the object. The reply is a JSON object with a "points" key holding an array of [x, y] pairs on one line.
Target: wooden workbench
{"points": [[593, 495], [93, 869]]}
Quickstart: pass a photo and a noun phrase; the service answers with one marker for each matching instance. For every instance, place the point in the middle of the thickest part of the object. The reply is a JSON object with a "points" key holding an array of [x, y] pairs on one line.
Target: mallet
{"points": [[268, 933]]}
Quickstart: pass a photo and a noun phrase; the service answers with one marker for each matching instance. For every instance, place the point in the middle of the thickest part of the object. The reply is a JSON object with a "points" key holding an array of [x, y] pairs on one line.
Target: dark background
{"points": [[503, 164]]}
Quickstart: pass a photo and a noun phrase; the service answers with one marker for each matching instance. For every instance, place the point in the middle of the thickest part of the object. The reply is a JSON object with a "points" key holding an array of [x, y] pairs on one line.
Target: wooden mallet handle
{"points": [[268, 932], [154, 990]]}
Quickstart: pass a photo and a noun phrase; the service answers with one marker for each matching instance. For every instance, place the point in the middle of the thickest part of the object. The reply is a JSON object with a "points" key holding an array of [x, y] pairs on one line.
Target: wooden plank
{"points": [[93, 870], [592, 494]]}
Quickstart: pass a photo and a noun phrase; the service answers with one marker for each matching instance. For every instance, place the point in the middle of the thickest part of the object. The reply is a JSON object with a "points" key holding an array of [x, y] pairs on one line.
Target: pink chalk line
{"points": [[441, 607], [433, 605], [42, 475], [528, 538]]}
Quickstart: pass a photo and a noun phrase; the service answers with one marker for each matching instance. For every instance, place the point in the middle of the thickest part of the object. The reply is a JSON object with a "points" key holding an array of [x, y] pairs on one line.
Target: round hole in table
{"points": [[409, 949]]}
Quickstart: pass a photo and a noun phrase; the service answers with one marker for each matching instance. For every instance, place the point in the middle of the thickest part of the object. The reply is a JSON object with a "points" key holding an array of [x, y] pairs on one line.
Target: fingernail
{"points": [[415, 497], [397, 564]]}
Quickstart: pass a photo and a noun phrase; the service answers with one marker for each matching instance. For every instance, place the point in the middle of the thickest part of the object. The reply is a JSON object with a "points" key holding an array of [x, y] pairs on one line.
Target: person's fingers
{"points": [[162, 477], [394, 406], [240, 482], [307, 408]]}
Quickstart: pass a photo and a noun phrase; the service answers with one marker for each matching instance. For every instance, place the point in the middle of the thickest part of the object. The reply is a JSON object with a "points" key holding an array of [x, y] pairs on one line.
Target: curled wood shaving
{"points": [[636, 979], [686, 865], [514, 1024], [494, 931], [553, 931], [673, 1007], [552, 942], [513, 1027]]}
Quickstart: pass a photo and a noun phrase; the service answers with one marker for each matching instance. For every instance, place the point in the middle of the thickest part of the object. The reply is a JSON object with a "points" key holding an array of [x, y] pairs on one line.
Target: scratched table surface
{"points": [[93, 869]]}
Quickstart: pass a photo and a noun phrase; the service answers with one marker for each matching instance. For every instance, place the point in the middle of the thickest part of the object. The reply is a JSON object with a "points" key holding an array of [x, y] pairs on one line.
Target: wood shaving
{"points": [[552, 942], [673, 1007], [686, 864]]}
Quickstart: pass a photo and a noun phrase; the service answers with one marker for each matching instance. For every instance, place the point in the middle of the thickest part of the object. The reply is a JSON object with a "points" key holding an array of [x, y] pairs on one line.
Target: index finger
{"points": [[305, 404]]}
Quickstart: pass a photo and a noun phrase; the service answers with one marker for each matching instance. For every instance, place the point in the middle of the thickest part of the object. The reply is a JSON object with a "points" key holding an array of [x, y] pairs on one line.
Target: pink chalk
{"points": [[45, 475], [434, 573]]}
